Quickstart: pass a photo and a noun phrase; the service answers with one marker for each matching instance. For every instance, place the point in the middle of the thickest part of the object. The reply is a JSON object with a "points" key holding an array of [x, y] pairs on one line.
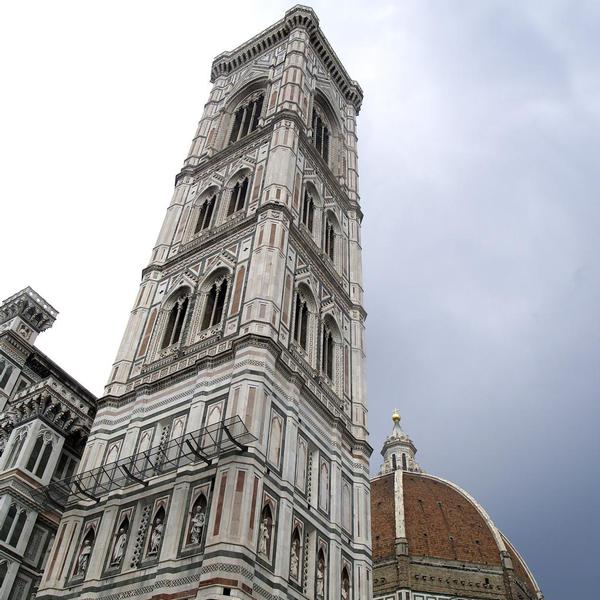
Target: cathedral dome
{"points": [[432, 537]]}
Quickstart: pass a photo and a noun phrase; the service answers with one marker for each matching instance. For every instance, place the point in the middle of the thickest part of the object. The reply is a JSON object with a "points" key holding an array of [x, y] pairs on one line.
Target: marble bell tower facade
{"points": [[229, 455]]}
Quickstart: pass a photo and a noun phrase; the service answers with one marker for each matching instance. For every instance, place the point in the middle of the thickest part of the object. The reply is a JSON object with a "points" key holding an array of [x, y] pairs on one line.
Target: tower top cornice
{"points": [[31, 308], [297, 16]]}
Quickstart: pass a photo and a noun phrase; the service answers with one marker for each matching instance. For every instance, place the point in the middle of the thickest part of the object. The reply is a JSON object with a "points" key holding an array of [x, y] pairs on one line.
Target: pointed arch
{"points": [[175, 309], [244, 110], [237, 190], [214, 289], [345, 583], [197, 520]]}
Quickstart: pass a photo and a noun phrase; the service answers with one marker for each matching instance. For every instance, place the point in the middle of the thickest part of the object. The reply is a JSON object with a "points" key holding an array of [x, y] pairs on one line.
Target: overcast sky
{"points": [[479, 160]]}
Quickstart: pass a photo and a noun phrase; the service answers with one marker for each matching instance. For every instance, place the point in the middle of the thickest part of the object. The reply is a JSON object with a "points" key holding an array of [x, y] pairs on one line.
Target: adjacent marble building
{"points": [[433, 541], [229, 455], [45, 417]]}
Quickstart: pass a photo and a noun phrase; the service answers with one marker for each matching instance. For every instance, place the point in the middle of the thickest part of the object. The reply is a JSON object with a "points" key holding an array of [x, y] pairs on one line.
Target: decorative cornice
{"points": [[31, 307], [298, 16]]}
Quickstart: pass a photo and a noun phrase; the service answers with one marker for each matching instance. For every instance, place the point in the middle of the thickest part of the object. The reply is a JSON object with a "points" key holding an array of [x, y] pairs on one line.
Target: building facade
{"points": [[229, 456], [433, 541], [45, 417]]}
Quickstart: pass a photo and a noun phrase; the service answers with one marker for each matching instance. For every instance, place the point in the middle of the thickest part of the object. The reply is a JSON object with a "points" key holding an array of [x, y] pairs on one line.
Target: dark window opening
{"points": [[320, 135], [329, 240], [246, 118], [8, 522], [327, 353], [215, 302], [18, 529], [206, 212], [237, 200], [301, 321], [175, 322], [308, 211], [37, 448], [404, 465]]}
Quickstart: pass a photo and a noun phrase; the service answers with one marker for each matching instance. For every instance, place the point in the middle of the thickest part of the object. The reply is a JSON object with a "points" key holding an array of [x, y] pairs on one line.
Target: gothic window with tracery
{"points": [[301, 321], [327, 351], [6, 371], [38, 459], [3, 571], [13, 525], [329, 241], [17, 445], [320, 135], [246, 117], [206, 213], [308, 211], [215, 303], [237, 200], [175, 322]]}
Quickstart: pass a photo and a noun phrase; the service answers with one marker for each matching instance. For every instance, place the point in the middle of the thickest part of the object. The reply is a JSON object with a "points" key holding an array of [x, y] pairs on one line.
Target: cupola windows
{"points": [[215, 303], [237, 200], [175, 321], [206, 213], [245, 118], [320, 135]]}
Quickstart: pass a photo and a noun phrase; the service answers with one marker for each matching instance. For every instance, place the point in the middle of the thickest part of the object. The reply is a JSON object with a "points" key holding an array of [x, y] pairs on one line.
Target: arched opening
{"points": [[238, 196], [197, 520], [156, 532], [295, 549], [17, 446], [345, 584], [37, 448], [321, 574], [215, 303], [265, 535], [246, 117], [301, 321], [327, 351], [8, 522], [307, 214], [324, 487], [404, 464], [321, 132], [394, 462], [176, 318], [206, 212], [120, 543], [3, 571], [83, 559], [329, 238], [43, 462]]}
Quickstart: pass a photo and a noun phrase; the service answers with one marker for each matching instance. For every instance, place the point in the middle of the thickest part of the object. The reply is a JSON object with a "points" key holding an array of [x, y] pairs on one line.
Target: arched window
{"points": [[17, 446], [308, 211], [175, 322], [215, 302], [327, 350], [345, 584], [3, 570], [206, 213], [15, 536], [320, 135], [329, 239], [38, 459], [245, 119], [8, 522], [404, 465], [300, 321], [394, 462], [237, 200]]}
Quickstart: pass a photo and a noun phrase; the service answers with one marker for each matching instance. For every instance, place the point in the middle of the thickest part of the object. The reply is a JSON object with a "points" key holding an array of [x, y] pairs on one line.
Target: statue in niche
{"points": [[345, 585], [119, 547], [321, 577], [155, 537], [264, 537], [197, 525], [84, 557], [295, 557]]}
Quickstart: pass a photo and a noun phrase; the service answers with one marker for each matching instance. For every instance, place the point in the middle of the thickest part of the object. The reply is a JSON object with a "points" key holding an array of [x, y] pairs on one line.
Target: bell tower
{"points": [[229, 456]]}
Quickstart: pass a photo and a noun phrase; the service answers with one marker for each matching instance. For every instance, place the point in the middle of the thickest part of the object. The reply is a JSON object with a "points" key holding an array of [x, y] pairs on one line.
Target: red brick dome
{"points": [[438, 539]]}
